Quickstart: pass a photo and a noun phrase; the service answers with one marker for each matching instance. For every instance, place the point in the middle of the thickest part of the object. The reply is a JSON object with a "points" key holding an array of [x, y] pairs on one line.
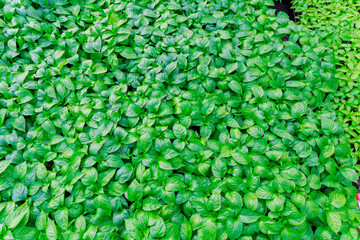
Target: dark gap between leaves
{"points": [[195, 128], [130, 88], [228, 128], [356, 184], [90, 90], [48, 166], [285, 38], [19, 203], [341, 63], [286, 7], [67, 194], [50, 217]]}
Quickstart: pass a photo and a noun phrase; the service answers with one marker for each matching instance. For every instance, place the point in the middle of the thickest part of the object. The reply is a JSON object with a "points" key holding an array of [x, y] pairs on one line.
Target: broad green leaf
{"points": [[62, 218], [158, 229], [179, 131], [251, 201], [269, 226], [337, 199], [41, 221], [209, 229], [102, 201], [4, 164], [333, 219], [349, 173], [98, 69], [51, 230], [15, 218], [25, 233], [19, 123], [150, 204], [19, 192], [128, 53], [134, 191]]}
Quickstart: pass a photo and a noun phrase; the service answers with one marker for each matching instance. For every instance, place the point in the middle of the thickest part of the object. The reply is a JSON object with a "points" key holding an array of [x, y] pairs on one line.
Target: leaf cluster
{"points": [[338, 22], [168, 120]]}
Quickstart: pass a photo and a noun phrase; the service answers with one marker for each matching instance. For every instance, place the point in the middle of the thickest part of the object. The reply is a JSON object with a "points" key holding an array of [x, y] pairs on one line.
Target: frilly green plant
{"points": [[338, 22]]}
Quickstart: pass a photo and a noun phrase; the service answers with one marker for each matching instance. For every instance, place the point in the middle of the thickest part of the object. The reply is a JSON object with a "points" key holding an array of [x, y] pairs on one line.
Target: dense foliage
{"points": [[338, 21], [169, 120]]}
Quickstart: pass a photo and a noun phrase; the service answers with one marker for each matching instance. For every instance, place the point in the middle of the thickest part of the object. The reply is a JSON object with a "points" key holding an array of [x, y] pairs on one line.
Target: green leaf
{"points": [[337, 199], [51, 231], [62, 218], [4, 164], [289, 233], [241, 158], [248, 216], [158, 229], [49, 127], [24, 95], [214, 202], [80, 223], [275, 93], [106, 176], [251, 201], [303, 149], [134, 191], [333, 219], [2, 116], [170, 68], [185, 230], [265, 49], [311, 209], [328, 151], [98, 69], [144, 143], [102, 201], [41, 221], [314, 181], [235, 86], [150, 204], [95, 147], [133, 110], [231, 68], [203, 70], [209, 229], [298, 110], [296, 219], [25, 233], [179, 131], [19, 192], [174, 184], [255, 131], [281, 132], [234, 228], [128, 53], [349, 173], [21, 214], [330, 127], [19, 123], [234, 200], [124, 173], [269, 226], [219, 168]]}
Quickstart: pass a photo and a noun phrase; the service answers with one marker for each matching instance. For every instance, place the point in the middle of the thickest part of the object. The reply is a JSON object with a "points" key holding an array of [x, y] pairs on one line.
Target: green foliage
{"points": [[338, 22], [168, 120]]}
